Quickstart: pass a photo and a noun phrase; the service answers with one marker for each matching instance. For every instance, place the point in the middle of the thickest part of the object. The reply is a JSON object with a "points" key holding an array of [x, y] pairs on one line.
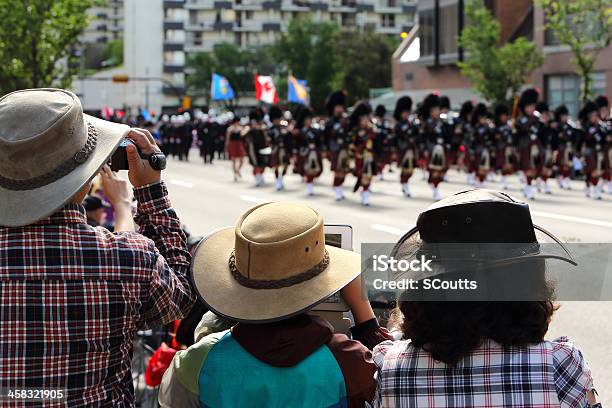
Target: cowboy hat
{"points": [[49, 150], [272, 265], [477, 228]]}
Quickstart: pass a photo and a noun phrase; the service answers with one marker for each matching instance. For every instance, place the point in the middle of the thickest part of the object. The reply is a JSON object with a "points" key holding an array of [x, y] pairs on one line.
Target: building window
{"points": [[565, 89], [388, 20], [428, 32], [449, 28]]}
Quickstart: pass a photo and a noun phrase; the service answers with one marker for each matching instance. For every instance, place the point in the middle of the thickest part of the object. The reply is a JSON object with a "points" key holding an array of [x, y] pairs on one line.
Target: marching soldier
{"points": [[545, 137], [606, 122], [463, 137], [482, 143], [432, 131], [527, 130], [282, 145], [405, 136], [337, 140], [309, 146], [258, 145], [363, 147], [593, 149], [385, 140], [505, 157], [567, 135]]}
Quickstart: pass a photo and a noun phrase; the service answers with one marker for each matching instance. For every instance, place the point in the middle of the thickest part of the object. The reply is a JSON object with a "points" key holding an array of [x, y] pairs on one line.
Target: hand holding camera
{"points": [[140, 155]]}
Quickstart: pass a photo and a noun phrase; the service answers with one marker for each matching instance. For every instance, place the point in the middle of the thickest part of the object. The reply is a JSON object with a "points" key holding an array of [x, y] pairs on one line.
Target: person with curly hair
{"points": [[485, 348]]}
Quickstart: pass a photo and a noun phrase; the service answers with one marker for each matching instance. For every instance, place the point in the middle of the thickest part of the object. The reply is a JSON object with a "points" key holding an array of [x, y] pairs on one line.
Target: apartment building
{"points": [[106, 25], [426, 61]]}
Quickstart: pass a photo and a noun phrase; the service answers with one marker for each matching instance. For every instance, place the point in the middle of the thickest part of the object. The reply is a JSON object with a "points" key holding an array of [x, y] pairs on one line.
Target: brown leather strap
{"points": [[279, 283], [62, 170]]}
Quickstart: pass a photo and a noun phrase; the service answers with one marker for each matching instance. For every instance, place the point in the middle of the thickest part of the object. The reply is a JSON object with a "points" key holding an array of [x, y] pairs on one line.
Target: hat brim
{"points": [[18, 208], [457, 257], [217, 288]]}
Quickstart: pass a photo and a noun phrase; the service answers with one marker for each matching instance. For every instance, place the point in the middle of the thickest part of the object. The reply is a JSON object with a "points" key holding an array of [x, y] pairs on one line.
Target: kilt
{"points": [[235, 149]]}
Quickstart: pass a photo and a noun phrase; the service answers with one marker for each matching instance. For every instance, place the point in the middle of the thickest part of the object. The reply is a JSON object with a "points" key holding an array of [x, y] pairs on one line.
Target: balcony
{"points": [[362, 7], [275, 27], [381, 29], [271, 5], [223, 5], [173, 25], [173, 68], [200, 5], [248, 5], [318, 6], [173, 46], [173, 4], [248, 26], [199, 26]]}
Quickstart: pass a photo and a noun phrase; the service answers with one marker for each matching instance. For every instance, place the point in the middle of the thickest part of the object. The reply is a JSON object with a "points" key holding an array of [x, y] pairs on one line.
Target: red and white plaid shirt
{"points": [[73, 297], [550, 374]]}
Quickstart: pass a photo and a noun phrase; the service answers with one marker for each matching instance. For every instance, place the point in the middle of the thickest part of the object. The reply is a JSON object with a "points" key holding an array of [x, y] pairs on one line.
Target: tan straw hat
{"points": [[274, 264], [49, 150]]}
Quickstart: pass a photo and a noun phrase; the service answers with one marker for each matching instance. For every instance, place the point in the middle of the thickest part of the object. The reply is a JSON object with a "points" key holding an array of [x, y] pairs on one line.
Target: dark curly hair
{"points": [[451, 330]]}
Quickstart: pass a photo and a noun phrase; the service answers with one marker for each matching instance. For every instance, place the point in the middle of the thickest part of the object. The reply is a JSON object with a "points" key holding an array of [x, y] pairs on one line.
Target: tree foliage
{"points": [[112, 53], [497, 73], [36, 40], [236, 64], [585, 26]]}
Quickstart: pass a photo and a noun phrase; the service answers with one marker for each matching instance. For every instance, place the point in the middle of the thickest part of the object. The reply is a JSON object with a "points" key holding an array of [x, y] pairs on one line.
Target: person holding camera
{"points": [[267, 273], [73, 296]]}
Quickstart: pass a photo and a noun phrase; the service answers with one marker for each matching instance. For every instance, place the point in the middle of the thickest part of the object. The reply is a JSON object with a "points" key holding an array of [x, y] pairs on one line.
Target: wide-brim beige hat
{"points": [[272, 265], [49, 149]]}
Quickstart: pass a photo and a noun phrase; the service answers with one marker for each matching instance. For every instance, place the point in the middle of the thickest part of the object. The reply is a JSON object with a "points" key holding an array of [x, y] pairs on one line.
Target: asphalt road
{"points": [[207, 198]]}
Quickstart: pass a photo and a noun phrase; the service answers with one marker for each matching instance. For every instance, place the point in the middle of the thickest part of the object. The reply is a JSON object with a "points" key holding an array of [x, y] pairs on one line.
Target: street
{"points": [[207, 198]]}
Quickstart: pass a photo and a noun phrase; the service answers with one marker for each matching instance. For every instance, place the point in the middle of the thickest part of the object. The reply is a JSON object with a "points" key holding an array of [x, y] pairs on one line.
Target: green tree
{"points": [[307, 51], [497, 73], [585, 26], [365, 58], [236, 64], [112, 53], [37, 38]]}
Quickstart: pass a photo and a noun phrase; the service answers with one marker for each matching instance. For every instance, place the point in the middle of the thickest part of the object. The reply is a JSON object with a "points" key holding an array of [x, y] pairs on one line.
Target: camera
{"points": [[119, 160]]}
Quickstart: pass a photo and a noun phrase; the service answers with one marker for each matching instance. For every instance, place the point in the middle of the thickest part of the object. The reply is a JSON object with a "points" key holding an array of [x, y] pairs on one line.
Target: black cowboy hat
{"points": [[362, 108], [528, 97], [334, 99], [275, 112], [380, 111], [560, 111], [477, 228], [403, 104]]}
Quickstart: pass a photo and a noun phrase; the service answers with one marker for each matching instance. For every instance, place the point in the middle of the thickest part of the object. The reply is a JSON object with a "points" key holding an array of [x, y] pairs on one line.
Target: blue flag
{"points": [[298, 92], [221, 90]]}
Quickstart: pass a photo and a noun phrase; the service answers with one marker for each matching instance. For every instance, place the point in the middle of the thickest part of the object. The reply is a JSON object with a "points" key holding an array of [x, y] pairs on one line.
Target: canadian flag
{"points": [[265, 90]]}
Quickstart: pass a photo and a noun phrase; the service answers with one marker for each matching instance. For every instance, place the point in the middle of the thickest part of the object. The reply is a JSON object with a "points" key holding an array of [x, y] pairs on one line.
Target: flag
{"points": [[221, 90], [298, 92], [265, 90], [107, 112], [144, 112]]}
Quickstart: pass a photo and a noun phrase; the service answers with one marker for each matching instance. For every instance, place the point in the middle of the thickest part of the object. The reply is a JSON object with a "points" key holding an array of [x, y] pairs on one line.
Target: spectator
{"points": [[487, 353], [95, 208], [74, 295], [266, 273]]}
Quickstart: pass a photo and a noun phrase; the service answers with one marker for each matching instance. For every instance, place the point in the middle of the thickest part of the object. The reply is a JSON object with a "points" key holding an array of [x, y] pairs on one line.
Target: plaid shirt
{"points": [[73, 297], [548, 374]]}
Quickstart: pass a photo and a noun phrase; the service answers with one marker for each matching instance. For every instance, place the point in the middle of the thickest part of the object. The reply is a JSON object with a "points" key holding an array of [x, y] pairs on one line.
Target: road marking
{"points": [[388, 229], [252, 199], [181, 183], [571, 218]]}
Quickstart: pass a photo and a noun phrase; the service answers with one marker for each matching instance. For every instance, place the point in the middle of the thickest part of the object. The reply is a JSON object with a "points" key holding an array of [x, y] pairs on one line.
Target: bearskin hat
{"points": [[361, 108], [334, 99], [480, 111], [431, 101], [302, 114], [528, 97], [256, 114], [602, 101], [444, 102], [403, 104], [466, 109], [501, 109], [380, 111], [588, 108], [560, 111], [275, 112], [542, 107]]}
